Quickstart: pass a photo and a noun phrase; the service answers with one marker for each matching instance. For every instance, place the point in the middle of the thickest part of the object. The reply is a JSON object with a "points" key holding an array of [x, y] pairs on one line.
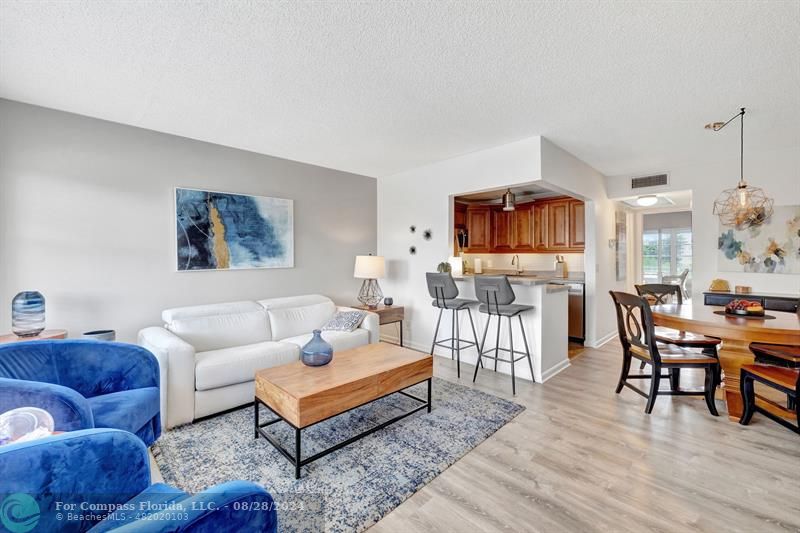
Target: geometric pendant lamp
{"points": [[742, 206]]}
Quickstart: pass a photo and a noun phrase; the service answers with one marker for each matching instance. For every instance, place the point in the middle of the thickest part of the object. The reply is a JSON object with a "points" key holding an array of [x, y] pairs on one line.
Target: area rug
{"points": [[354, 487]]}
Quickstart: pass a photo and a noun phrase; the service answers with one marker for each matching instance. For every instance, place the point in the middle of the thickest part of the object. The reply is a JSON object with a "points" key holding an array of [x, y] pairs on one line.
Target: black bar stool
{"points": [[497, 297], [444, 291]]}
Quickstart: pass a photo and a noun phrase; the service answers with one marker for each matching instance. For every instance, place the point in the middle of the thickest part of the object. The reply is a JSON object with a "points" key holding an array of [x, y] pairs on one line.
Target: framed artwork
{"points": [[772, 247], [226, 231], [621, 244]]}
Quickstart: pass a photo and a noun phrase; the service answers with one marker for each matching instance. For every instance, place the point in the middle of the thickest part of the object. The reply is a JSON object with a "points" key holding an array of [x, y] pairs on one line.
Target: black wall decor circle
{"points": [[412, 229], [427, 234], [413, 250]]}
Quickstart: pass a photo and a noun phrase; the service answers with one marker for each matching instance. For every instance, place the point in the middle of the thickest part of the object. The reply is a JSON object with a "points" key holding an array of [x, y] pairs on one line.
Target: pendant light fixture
{"points": [[509, 201], [743, 206]]}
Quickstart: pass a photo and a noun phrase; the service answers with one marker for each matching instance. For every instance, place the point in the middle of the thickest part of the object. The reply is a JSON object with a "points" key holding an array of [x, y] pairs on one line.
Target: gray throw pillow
{"points": [[345, 321]]}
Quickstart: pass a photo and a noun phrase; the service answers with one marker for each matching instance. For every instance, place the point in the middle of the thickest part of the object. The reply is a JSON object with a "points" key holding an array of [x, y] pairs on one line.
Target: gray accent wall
{"points": [[87, 218], [677, 219]]}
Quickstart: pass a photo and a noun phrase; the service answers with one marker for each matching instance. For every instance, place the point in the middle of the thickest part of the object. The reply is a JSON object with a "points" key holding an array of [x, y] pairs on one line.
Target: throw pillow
{"points": [[345, 321]]}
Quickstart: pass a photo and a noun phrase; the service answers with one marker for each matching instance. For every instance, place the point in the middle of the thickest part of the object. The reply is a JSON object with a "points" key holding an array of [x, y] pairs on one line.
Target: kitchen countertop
{"points": [[528, 278]]}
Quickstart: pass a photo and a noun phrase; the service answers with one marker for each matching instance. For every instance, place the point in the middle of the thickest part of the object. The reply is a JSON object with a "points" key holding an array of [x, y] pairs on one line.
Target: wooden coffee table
{"points": [[302, 395]]}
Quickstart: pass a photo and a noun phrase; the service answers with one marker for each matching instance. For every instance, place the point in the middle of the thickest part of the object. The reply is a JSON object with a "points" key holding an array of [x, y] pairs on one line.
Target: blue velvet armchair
{"points": [[84, 384], [99, 480]]}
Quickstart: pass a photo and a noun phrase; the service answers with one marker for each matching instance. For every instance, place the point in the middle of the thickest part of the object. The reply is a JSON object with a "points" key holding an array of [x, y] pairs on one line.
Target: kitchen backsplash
{"points": [[529, 261]]}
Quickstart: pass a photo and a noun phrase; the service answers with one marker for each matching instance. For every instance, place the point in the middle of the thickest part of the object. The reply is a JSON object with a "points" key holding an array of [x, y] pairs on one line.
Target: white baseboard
{"points": [[551, 372], [394, 339], [603, 340], [560, 367]]}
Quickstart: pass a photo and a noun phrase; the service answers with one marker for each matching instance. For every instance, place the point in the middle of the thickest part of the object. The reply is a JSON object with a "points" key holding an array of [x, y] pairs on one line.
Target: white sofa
{"points": [[209, 354]]}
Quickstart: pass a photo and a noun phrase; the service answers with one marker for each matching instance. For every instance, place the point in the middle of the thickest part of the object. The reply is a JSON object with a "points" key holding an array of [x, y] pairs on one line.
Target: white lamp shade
{"points": [[369, 267]]}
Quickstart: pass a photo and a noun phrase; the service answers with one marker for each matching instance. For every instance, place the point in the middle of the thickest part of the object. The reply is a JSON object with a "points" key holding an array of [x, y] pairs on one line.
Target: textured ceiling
{"points": [[380, 87]]}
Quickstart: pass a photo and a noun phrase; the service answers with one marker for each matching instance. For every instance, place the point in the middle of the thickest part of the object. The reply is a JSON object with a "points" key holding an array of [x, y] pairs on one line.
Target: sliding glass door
{"points": [[665, 252]]}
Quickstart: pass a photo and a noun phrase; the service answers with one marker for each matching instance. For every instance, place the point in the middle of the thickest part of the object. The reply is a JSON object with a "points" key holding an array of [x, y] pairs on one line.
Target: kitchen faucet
{"points": [[515, 261]]}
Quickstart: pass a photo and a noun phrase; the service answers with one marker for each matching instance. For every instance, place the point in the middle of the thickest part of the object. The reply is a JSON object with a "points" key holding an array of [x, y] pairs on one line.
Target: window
{"points": [[665, 252]]}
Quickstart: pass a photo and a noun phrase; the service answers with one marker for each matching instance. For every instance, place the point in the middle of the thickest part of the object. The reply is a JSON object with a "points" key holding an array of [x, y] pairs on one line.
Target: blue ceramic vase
{"points": [[317, 351], [27, 314]]}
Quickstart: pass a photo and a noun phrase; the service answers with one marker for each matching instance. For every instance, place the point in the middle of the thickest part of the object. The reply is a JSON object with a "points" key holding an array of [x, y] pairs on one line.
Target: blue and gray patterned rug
{"points": [[354, 487]]}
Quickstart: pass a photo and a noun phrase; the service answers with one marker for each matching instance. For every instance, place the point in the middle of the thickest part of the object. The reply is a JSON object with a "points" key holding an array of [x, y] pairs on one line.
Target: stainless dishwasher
{"points": [[576, 329]]}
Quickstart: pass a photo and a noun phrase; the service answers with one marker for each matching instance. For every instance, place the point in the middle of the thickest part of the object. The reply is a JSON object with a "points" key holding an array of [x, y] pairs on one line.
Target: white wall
{"points": [[563, 171], [777, 171], [86, 217], [422, 197]]}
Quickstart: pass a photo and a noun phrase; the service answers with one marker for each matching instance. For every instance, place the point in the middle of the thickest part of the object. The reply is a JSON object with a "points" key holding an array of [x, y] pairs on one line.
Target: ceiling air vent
{"points": [[649, 181]]}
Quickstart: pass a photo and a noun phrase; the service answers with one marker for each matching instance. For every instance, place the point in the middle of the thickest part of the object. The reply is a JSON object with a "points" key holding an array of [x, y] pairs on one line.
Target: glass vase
{"points": [[27, 314], [317, 351]]}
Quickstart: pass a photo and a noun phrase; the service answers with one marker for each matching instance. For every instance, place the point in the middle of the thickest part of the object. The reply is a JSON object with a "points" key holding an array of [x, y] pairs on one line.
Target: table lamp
{"points": [[369, 268]]}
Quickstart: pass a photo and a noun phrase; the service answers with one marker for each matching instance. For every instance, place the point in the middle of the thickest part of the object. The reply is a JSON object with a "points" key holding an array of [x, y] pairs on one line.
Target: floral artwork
{"points": [[772, 247]]}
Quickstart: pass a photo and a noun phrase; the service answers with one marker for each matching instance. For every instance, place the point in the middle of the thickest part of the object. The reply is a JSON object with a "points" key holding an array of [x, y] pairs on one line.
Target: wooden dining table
{"points": [[736, 334]]}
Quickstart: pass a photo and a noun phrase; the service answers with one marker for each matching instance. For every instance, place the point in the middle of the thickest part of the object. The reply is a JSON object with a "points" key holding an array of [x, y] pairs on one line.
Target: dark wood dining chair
{"points": [[785, 380], [779, 355], [663, 293], [637, 335]]}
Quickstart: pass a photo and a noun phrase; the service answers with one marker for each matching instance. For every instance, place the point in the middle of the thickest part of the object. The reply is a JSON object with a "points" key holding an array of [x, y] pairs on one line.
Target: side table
{"points": [[387, 315], [44, 335]]}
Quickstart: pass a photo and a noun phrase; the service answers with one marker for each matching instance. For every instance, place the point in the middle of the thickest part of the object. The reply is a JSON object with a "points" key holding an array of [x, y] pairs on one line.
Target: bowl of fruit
{"points": [[744, 307]]}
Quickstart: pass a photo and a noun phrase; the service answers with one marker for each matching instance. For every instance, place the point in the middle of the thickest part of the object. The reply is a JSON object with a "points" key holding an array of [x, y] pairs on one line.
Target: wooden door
{"points": [[522, 239], [478, 229], [502, 230], [558, 225], [539, 221], [577, 224]]}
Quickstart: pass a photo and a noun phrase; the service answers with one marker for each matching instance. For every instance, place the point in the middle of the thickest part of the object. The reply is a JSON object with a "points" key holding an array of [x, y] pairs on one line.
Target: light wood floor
{"points": [[581, 458]]}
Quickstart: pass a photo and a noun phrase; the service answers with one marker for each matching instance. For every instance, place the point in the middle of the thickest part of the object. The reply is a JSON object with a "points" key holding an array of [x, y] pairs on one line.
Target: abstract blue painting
{"points": [[222, 231]]}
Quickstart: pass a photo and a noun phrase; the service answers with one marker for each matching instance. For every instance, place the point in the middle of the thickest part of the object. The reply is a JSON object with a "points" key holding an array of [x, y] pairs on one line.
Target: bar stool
{"points": [[496, 297], [444, 291]]}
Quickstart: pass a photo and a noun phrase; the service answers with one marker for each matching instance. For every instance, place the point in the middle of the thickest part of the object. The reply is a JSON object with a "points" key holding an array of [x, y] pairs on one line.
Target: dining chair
{"points": [[664, 293], [785, 380], [779, 355], [679, 280], [637, 335]]}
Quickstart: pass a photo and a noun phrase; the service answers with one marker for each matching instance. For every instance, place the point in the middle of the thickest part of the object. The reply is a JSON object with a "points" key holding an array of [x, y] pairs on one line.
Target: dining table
{"points": [[736, 333]]}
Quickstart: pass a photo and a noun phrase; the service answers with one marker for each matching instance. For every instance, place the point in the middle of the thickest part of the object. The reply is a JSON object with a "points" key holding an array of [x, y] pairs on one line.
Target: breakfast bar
{"points": [[545, 325]]}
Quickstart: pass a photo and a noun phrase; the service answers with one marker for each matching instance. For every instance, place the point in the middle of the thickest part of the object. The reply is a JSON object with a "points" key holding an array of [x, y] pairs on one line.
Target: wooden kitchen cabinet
{"points": [[522, 222], [502, 230], [558, 225], [577, 224], [545, 226], [460, 216], [539, 230], [479, 229]]}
